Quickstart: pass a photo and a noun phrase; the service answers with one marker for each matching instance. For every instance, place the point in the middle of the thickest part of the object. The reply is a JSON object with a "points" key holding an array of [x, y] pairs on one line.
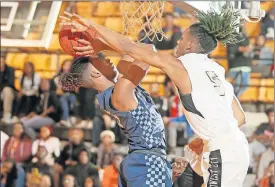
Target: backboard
{"points": [[28, 23]]}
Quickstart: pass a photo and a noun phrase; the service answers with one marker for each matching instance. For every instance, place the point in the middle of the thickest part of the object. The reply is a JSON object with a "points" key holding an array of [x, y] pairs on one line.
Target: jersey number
{"points": [[217, 82]]}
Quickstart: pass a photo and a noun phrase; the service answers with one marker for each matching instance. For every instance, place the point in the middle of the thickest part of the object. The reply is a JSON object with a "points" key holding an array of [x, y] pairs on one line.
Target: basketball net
{"points": [[143, 18]]}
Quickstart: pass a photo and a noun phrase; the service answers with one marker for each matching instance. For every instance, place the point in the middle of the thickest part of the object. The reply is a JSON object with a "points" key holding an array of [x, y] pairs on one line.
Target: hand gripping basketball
{"points": [[79, 34]]}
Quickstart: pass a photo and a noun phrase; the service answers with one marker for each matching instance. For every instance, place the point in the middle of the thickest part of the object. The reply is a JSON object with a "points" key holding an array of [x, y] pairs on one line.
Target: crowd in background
{"points": [[32, 157]]}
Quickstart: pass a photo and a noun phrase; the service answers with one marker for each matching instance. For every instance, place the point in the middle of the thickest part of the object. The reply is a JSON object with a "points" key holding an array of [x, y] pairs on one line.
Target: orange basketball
{"points": [[68, 40], [196, 145]]}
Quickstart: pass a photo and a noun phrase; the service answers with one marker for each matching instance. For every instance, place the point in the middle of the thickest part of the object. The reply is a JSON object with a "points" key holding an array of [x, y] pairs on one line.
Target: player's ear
{"points": [[189, 45], [95, 73]]}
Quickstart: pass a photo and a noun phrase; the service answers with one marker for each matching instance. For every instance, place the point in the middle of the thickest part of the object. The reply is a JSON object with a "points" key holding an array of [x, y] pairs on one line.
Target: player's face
{"points": [[184, 44], [91, 76]]}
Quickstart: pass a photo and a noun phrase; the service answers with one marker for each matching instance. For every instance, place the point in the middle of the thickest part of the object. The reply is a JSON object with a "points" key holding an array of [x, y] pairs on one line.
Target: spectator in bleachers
{"points": [[51, 143], [174, 103], [47, 111], [266, 158], [28, 93], [90, 181], [18, 146], [67, 99], [173, 125], [103, 122], [86, 112], [7, 89], [110, 175], [161, 103], [172, 32], [98, 124], [84, 169], [69, 155], [12, 175], [46, 181], [106, 149], [268, 179], [262, 53], [239, 61], [268, 24], [3, 138], [260, 139], [38, 167], [69, 181]]}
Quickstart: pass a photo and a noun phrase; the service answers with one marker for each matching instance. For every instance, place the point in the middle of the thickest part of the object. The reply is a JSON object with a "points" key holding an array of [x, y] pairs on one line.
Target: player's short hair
{"points": [[214, 27], [72, 80]]}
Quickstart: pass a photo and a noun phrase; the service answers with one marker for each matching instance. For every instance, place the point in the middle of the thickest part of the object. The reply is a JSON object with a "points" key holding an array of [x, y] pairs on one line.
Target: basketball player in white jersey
{"points": [[211, 107]]}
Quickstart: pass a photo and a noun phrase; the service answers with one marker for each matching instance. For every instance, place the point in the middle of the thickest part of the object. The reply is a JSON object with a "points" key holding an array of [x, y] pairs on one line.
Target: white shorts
{"points": [[228, 165]]}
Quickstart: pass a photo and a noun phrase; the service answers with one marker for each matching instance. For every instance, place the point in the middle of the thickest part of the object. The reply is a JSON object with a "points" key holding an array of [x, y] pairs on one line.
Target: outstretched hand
{"points": [[77, 23]]}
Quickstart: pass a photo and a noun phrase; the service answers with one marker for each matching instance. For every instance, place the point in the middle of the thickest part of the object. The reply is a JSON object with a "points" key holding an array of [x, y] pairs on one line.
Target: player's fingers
{"points": [[64, 18], [83, 48], [85, 42], [72, 25], [76, 16], [68, 14], [85, 53]]}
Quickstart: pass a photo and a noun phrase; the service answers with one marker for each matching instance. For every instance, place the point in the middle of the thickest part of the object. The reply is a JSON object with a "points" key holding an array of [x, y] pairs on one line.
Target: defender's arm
{"points": [[145, 53]]}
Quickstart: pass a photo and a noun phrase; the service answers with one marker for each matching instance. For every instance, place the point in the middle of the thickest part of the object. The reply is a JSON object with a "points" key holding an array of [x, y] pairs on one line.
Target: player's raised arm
{"points": [[121, 43], [140, 52], [123, 97]]}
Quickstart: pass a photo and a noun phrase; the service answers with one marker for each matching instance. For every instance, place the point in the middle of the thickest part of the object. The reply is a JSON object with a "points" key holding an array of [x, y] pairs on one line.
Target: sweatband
{"points": [[135, 74], [123, 66]]}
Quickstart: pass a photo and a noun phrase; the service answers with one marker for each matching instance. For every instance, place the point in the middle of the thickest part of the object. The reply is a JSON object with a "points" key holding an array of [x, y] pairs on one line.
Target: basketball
{"points": [[196, 145]]}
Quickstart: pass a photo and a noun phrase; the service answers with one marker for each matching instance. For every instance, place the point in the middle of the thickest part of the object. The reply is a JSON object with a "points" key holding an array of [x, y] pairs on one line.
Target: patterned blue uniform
{"points": [[146, 165]]}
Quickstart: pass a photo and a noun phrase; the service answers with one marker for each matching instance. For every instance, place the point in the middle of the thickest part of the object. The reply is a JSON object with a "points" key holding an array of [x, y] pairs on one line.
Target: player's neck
{"points": [[104, 85]]}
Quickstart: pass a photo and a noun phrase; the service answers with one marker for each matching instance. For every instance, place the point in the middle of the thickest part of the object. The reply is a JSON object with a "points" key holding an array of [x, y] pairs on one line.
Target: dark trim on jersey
{"points": [[215, 169], [187, 102]]}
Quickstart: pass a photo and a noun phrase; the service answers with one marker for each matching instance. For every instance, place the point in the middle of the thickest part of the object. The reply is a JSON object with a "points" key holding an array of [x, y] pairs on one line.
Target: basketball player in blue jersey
{"points": [[136, 113], [210, 105]]}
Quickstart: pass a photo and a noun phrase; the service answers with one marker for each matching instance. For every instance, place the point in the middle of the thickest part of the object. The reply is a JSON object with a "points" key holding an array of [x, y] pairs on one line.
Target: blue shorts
{"points": [[145, 170]]}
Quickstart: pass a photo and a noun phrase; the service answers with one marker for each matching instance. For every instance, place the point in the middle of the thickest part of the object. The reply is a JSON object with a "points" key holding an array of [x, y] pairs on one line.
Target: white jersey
{"points": [[209, 106]]}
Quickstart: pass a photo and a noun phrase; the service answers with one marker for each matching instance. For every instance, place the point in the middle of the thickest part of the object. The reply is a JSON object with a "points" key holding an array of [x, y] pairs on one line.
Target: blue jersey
{"points": [[142, 126]]}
